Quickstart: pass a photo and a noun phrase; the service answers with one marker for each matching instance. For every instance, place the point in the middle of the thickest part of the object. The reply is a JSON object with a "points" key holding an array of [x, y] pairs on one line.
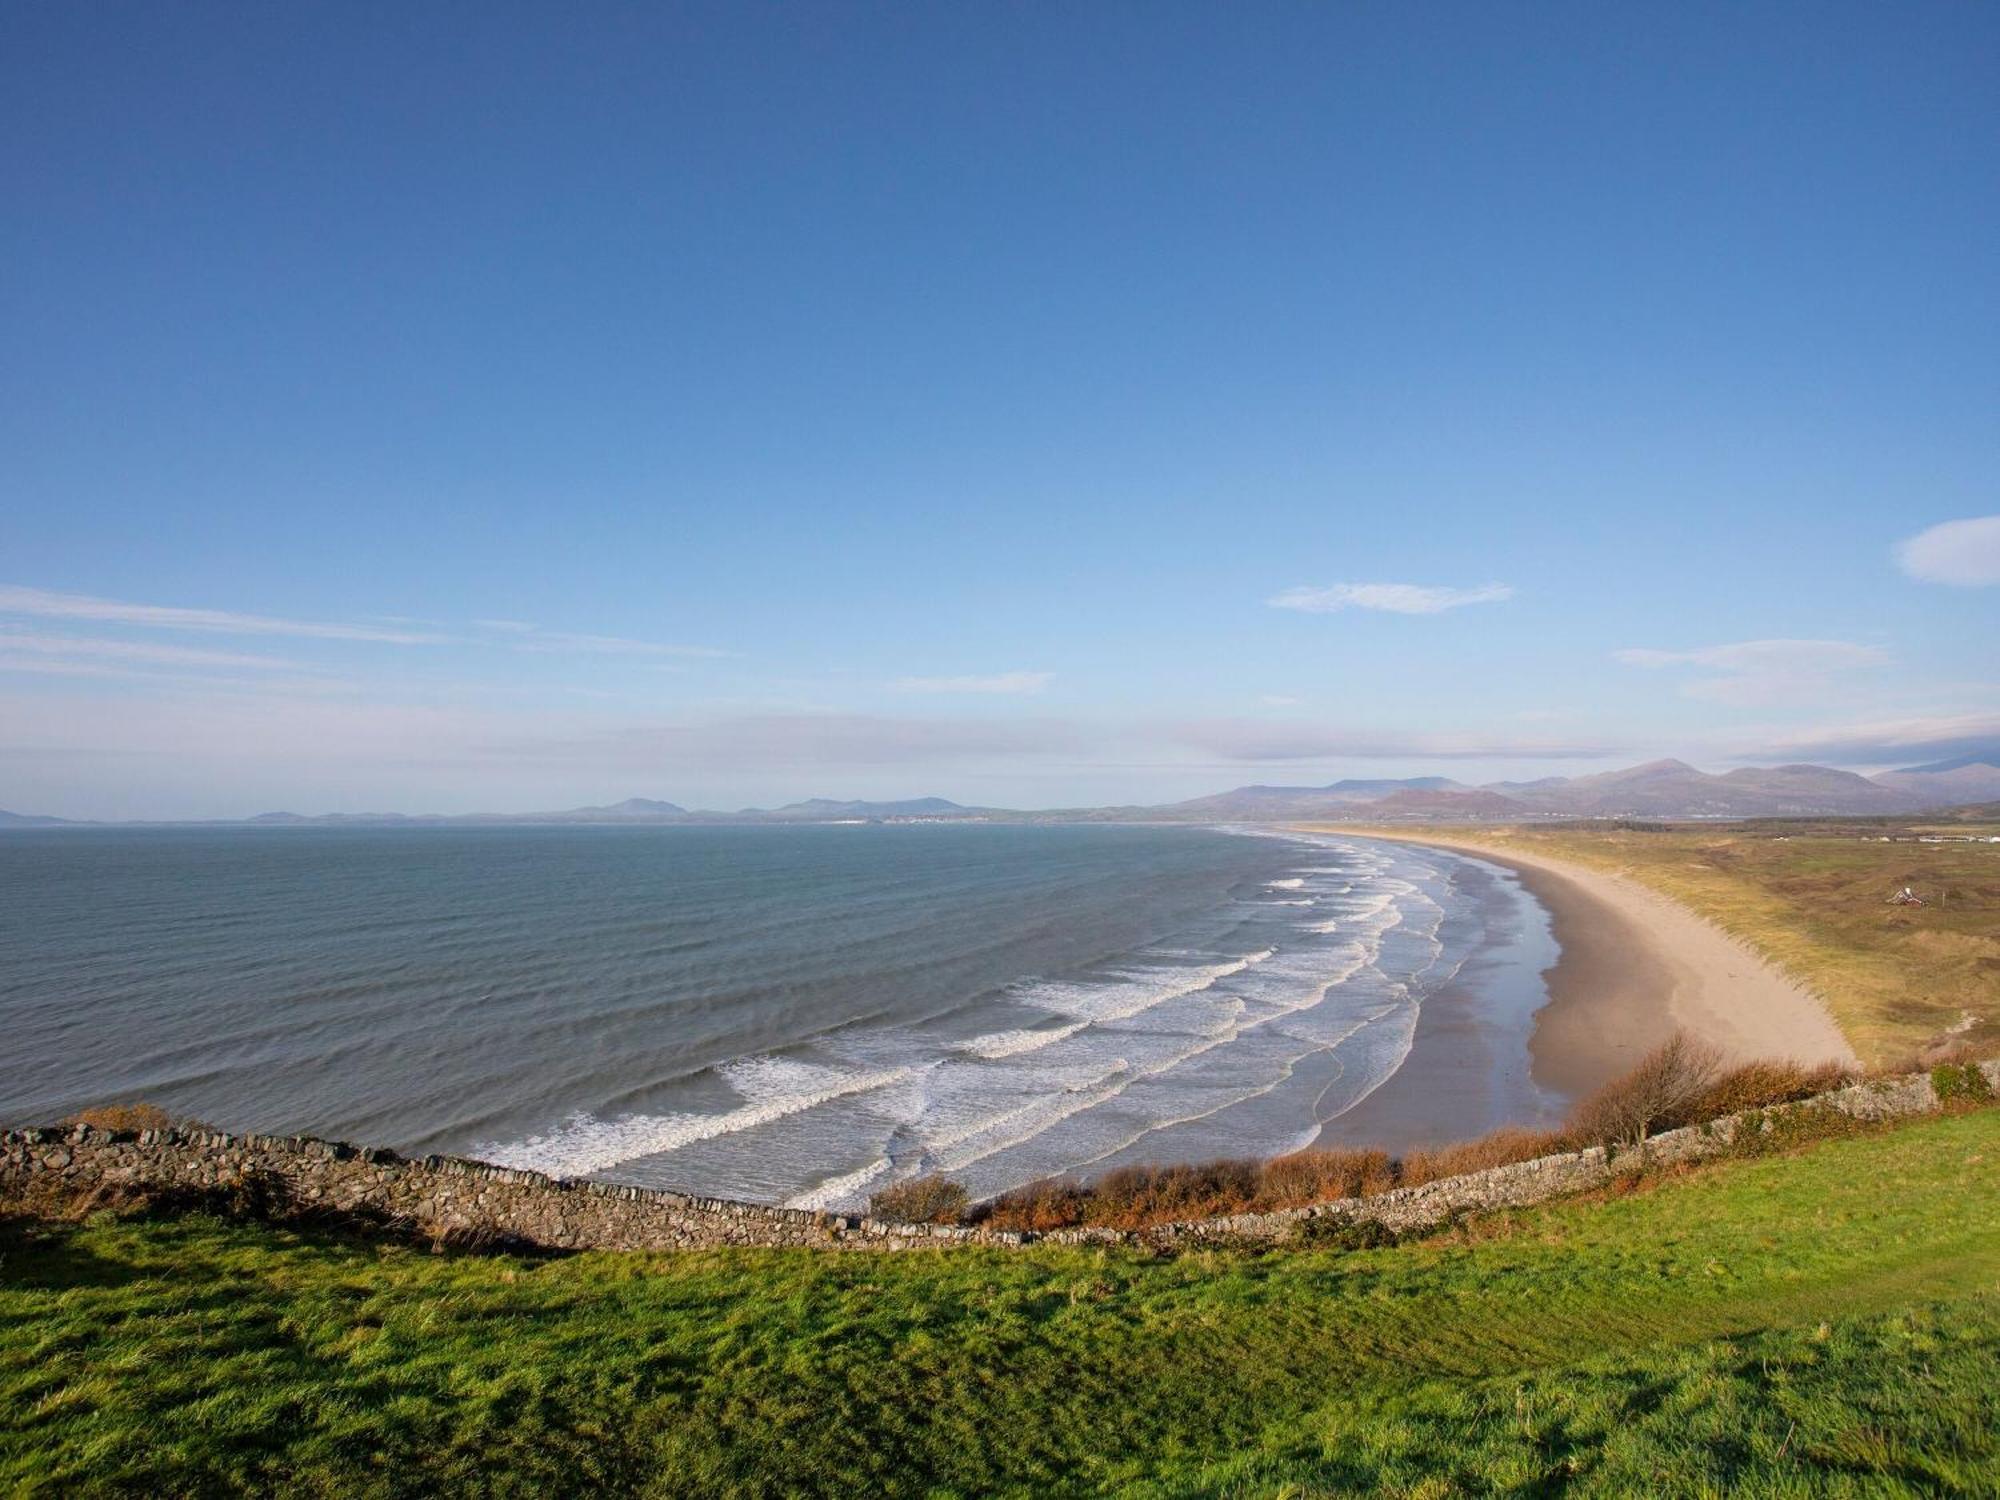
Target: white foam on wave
{"points": [[1119, 997], [841, 1191], [1299, 1141], [1296, 986], [1142, 989], [1026, 1121], [1037, 1119], [1077, 1085], [997, 1044], [770, 1087]]}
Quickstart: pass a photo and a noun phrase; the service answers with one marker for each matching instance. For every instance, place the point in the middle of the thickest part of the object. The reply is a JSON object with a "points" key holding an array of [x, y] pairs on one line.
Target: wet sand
{"points": [[1634, 967], [1467, 1072]]}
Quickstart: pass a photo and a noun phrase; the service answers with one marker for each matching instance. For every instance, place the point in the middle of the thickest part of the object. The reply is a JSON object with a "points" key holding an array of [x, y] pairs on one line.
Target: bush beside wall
{"points": [[447, 1200]]}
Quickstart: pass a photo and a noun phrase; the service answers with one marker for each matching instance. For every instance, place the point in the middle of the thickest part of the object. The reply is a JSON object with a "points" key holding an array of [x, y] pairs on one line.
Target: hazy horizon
{"points": [[1983, 753], [1029, 409]]}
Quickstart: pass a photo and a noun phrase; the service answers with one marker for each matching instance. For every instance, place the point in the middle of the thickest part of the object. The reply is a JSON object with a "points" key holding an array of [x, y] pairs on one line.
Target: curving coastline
{"points": [[1635, 966]]}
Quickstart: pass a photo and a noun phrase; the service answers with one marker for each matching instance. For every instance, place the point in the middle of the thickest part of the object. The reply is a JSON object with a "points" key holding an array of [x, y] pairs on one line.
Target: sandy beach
{"points": [[1635, 966]]}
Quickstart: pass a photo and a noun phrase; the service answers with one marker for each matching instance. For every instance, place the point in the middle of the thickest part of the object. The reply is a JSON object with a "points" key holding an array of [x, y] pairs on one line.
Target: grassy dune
{"points": [[1820, 1323], [1814, 897]]}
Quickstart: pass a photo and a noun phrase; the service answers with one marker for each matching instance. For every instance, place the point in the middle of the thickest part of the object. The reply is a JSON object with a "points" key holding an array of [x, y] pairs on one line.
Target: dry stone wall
{"points": [[450, 1199]]}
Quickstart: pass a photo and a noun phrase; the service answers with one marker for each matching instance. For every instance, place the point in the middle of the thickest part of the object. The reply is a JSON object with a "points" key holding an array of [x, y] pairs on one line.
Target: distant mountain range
{"points": [[1658, 789], [1664, 789]]}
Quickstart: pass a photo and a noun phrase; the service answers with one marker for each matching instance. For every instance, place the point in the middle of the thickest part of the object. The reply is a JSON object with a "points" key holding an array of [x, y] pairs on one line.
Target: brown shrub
{"points": [[920, 1200], [138, 1115], [1755, 1085], [1130, 1196], [1051, 1203], [1680, 1083], [1499, 1148], [1319, 1174], [1659, 1090]]}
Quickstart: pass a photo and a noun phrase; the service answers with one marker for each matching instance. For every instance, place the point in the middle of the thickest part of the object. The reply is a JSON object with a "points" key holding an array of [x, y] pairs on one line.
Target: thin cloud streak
{"points": [[765, 742], [111, 671], [45, 604], [1753, 673], [999, 682], [1253, 741], [92, 648], [1889, 741], [1394, 598], [526, 637]]}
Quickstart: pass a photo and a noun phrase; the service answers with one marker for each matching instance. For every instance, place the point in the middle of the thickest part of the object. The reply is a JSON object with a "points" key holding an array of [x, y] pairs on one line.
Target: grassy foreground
{"points": [[1821, 1323], [1814, 897]]}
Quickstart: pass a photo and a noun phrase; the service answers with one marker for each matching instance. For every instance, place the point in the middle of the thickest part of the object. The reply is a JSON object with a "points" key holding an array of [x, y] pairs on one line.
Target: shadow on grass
{"points": [[29, 1228], [38, 1255]]}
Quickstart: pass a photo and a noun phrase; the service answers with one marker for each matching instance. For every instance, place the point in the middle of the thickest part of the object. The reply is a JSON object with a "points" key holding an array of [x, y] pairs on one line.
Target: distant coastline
{"points": [[1663, 789]]}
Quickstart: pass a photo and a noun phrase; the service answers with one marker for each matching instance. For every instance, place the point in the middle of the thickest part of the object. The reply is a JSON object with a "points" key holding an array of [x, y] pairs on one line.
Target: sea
{"points": [[798, 1015]]}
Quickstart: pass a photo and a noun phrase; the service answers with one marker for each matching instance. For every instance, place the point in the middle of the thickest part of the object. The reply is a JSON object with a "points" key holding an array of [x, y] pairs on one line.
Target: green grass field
{"points": [[1825, 1323]]}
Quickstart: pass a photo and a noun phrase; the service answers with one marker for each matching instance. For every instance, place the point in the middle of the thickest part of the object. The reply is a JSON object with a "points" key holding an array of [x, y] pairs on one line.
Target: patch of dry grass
{"points": [[1814, 898], [137, 1115], [1501, 1148]]}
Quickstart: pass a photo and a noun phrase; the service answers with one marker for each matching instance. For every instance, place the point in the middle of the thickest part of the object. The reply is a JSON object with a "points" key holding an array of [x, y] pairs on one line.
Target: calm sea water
{"points": [[790, 1014]]}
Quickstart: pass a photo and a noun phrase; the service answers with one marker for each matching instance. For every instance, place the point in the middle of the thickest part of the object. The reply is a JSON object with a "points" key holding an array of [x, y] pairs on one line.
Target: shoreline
{"points": [[1471, 1067], [1634, 966]]}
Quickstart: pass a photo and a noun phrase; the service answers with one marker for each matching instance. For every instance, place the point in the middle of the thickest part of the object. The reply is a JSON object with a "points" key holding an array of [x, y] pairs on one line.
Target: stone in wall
{"points": [[447, 1198]]}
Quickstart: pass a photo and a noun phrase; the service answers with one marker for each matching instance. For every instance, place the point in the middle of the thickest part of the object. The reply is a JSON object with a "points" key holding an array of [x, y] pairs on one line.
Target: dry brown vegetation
{"points": [[137, 1115], [1902, 981], [1662, 1088], [1755, 1085], [1132, 1196], [1680, 1083], [1501, 1148], [920, 1200]]}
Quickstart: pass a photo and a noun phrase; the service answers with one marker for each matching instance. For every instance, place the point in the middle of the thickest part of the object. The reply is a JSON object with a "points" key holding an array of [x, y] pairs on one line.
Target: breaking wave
{"points": [[1259, 1029]]}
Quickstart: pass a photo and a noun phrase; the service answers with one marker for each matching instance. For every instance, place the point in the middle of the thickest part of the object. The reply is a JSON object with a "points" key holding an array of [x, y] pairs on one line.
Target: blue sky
{"points": [[733, 404]]}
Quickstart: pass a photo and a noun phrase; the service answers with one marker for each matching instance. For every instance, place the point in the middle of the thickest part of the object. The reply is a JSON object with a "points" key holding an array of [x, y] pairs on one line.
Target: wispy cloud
{"points": [[808, 740], [48, 605], [1756, 673], [1000, 682], [1395, 598], [1965, 553], [88, 648], [1891, 741], [1256, 740], [44, 604], [526, 637]]}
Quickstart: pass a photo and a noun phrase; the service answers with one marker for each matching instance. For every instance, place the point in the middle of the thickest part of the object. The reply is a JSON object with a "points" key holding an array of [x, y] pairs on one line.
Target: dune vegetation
{"points": [[1819, 1321], [1815, 897]]}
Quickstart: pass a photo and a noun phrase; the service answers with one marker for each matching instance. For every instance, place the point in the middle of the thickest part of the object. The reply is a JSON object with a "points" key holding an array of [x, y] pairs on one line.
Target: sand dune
{"points": [[1636, 966]]}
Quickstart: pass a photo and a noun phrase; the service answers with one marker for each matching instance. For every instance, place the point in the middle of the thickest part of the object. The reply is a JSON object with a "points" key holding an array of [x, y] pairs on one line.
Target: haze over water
{"points": [[787, 1014]]}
